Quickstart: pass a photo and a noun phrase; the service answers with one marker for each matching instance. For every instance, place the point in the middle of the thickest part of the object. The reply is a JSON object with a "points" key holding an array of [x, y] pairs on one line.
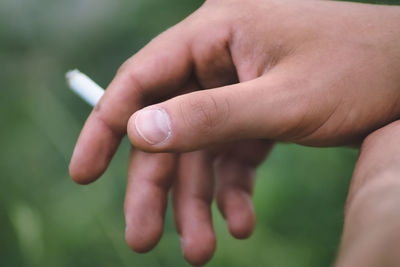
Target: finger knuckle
{"points": [[205, 113], [125, 66], [129, 74]]}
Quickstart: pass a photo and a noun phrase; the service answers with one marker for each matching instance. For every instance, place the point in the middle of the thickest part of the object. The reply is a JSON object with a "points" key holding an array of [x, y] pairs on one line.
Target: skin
{"points": [[371, 235], [232, 78]]}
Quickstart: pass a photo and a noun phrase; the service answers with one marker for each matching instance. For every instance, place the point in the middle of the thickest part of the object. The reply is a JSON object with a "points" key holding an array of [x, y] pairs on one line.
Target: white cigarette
{"points": [[83, 86]]}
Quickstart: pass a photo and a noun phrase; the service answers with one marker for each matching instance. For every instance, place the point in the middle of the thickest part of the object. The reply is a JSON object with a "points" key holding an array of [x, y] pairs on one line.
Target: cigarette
{"points": [[85, 87]]}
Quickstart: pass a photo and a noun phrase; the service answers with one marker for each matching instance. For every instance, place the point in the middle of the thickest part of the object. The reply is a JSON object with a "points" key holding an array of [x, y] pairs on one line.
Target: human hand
{"points": [[310, 72]]}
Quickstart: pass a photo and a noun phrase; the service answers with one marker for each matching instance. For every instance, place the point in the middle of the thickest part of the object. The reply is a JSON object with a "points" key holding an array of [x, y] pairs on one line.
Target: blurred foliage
{"points": [[47, 220]]}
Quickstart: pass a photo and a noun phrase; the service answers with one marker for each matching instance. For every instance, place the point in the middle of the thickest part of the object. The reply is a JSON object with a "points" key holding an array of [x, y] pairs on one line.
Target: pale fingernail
{"points": [[153, 125]]}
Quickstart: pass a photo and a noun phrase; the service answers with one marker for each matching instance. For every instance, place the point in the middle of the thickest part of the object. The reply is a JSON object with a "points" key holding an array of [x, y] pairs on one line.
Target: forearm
{"points": [[371, 235]]}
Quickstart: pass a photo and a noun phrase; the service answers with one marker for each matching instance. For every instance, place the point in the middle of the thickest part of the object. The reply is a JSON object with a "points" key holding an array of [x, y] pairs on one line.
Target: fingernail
{"points": [[153, 125]]}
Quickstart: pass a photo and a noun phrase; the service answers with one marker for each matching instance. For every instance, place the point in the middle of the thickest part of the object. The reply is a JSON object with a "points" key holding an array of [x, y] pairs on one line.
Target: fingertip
{"points": [[200, 249], [83, 175], [84, 167], [149, 129], [135, 137], [241, 224], [92, 154], [237, 209], [143, 239], [131, 131]]}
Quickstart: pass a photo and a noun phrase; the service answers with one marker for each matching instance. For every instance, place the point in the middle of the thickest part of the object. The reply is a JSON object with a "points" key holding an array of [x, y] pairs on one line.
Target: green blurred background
{"points": [[47, 220]]}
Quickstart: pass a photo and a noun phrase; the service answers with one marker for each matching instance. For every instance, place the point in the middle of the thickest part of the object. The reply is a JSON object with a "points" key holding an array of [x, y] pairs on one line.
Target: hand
{"points": [[310, 72]]}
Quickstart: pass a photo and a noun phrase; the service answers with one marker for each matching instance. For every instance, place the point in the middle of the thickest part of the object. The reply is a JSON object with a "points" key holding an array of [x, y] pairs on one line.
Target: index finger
{"points": [[156, 71]]}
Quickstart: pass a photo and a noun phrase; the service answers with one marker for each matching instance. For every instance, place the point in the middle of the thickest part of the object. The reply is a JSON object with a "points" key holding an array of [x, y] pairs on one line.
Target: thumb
{"points": [[260, 108]]}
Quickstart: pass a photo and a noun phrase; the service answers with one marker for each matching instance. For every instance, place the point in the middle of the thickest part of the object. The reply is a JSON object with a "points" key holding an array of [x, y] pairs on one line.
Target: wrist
{"points": [[371, 233]]}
